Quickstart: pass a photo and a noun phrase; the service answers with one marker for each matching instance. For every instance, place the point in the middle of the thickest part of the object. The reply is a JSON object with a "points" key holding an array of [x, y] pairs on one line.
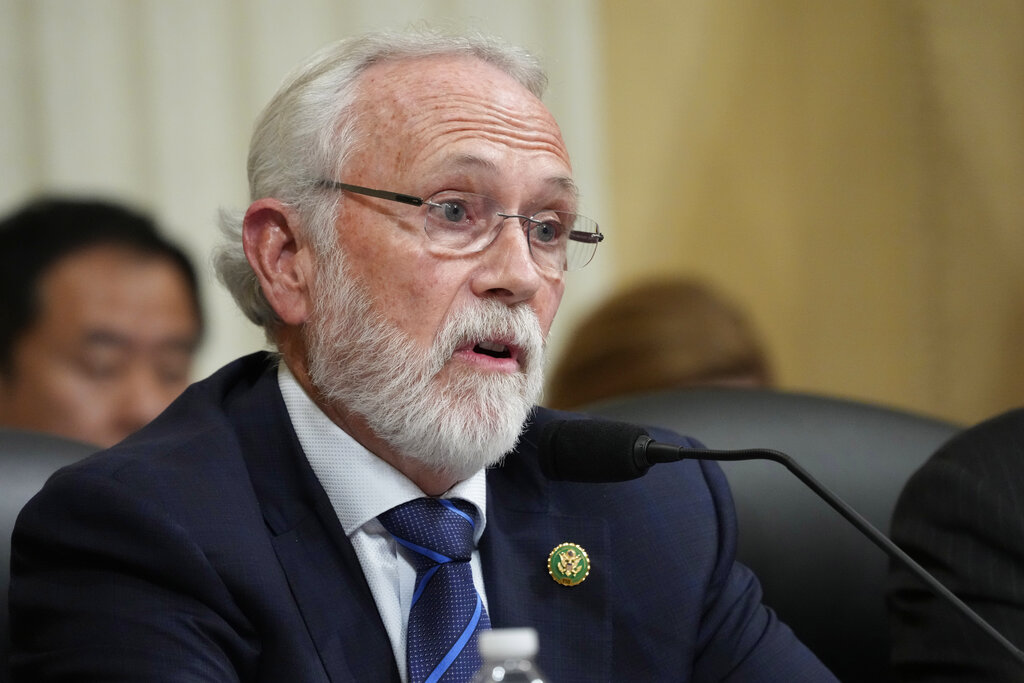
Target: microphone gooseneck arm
{"points": [[645, 450]]}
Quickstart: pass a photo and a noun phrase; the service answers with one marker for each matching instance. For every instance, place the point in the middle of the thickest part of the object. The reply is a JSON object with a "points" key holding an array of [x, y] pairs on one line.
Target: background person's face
{"points": [[111, 348]]}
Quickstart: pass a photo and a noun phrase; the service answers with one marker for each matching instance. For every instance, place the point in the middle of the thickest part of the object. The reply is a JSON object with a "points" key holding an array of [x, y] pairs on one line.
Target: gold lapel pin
{"points": [[569, 564]]}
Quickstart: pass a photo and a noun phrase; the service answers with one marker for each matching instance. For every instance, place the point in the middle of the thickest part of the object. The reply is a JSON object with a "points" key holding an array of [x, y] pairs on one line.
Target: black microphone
{"points": [[594, 451]]}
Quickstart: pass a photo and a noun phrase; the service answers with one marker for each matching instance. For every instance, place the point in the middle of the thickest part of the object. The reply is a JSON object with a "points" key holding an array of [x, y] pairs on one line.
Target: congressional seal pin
{"points": [[568, 564]]}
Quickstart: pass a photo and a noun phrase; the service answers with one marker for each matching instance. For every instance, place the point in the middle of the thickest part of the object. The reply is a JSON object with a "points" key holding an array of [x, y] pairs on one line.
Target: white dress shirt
{"points": [[361, 486]]}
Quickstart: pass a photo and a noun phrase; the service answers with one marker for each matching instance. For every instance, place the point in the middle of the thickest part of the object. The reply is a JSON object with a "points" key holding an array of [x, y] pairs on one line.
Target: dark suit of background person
{"points": [[211, 545], [962, 517]]}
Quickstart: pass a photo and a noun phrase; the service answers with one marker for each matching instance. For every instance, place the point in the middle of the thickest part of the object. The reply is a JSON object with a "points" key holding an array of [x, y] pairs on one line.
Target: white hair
{"points": [[309, 129]]}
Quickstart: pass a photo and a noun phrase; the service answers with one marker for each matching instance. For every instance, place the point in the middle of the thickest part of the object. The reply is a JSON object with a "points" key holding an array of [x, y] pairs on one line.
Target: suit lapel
{"points": [[323, 571], [523, 526], [336, 604]]}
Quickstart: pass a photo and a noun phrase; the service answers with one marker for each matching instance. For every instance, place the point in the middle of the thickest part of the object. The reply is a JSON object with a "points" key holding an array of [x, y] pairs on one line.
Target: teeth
{"points": [[492, 346]]}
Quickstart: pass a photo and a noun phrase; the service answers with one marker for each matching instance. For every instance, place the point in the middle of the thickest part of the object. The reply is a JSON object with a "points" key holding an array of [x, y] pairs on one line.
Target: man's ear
{"points": [[282, 258]]}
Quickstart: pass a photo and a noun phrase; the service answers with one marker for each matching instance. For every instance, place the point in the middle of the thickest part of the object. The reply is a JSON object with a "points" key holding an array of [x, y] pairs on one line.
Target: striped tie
{"points": [[446, 612]]}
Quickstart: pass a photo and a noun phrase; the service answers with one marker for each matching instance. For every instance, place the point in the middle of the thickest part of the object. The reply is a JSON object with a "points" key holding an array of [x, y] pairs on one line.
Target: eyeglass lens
{"points": [[558, 240]]}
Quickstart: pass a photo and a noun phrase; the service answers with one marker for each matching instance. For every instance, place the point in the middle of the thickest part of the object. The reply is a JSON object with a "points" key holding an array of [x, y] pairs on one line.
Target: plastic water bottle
{"points": [[508, 655]]}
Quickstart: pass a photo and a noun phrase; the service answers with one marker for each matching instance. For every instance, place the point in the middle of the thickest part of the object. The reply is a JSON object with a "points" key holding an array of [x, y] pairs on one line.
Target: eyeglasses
{"points": [[467, 223]]}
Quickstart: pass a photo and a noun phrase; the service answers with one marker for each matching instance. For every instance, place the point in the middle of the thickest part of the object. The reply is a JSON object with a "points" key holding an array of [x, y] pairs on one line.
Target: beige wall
{"points": [[853, 171]]}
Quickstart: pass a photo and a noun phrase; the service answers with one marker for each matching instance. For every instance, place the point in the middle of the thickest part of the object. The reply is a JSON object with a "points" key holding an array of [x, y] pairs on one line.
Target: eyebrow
{"points": [[106, 338], [471, 161]]}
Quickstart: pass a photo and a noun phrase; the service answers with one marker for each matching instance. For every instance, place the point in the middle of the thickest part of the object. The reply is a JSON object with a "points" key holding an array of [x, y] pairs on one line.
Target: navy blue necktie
{"points": [[446, 612]]}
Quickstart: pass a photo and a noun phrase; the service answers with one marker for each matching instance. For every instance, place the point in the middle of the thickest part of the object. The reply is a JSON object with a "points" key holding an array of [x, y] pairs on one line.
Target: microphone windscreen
{"points": [[590, 451]]}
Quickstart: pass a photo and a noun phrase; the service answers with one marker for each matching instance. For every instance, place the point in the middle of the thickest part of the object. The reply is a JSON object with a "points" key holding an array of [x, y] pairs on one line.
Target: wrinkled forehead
{"points": [[398, 80], [412, 108]]}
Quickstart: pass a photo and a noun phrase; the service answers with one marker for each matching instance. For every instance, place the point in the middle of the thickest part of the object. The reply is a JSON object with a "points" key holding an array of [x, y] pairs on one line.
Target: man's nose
{"points": [[508, 271]]}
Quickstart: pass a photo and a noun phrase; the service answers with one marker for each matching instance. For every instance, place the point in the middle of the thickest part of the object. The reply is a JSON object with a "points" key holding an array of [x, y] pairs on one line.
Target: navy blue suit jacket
{"points": [[204, 549]]}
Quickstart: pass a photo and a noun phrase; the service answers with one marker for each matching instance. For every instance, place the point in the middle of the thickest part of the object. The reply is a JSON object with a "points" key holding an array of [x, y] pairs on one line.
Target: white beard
{"points": [[455, 424]]}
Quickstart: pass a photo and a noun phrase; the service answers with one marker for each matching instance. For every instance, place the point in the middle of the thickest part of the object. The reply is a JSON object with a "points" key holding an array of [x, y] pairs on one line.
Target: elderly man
{"points": [[360, 506]]}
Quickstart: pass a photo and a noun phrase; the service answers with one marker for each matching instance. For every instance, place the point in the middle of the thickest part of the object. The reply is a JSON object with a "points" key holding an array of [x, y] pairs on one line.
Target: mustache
{"points": [[488, 320]]}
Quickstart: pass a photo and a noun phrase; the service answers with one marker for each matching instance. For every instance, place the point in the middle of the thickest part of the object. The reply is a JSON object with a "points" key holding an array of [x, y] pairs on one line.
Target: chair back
{"points": [[820, 574], [27, 459]]}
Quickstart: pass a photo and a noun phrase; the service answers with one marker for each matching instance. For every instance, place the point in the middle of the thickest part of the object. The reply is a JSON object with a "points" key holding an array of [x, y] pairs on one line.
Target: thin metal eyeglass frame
{"points": [[575, 235]]}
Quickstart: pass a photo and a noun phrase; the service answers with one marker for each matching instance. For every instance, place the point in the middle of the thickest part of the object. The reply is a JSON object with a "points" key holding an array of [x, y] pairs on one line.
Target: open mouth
{"points": [[492, 349]]}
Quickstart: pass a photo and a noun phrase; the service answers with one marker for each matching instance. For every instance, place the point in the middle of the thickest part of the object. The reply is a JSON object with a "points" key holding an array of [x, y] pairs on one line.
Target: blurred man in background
{"points": [[99, 320]]}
